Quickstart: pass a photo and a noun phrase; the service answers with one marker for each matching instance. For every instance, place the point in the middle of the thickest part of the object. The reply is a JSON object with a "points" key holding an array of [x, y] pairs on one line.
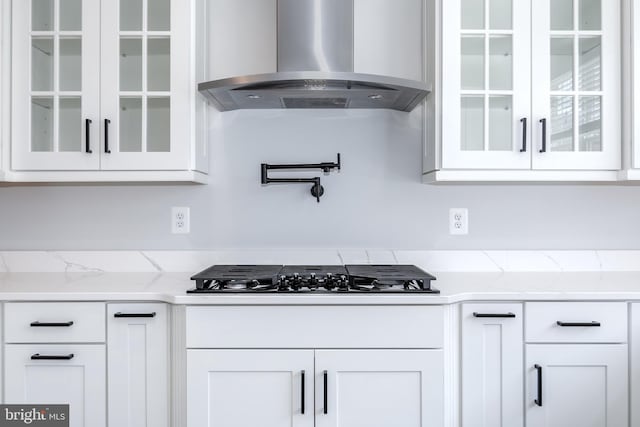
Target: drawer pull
{"points": [[494, 315], [326, 399], [120, 315], [538, 401], [302, 392], [579, 324], [38, 356], [51, 324]]}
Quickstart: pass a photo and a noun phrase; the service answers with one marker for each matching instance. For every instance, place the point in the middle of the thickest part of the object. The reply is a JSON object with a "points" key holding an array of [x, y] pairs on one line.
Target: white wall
{"points": [[377, 201]]}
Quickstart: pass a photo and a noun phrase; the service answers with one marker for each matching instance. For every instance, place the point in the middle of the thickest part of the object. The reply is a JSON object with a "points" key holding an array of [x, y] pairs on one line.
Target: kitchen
{"points": [[87, 228]]}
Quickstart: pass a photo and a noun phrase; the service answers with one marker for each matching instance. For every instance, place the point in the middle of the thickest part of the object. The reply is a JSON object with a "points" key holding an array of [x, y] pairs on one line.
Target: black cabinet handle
{"points": [[302, 392], [544, 135], [495, 315], [38, 356], [538, 401], [51, 324], [106, 136], [524, 135], [87, 139], [326, 400], [579, 324], [118, 315]]}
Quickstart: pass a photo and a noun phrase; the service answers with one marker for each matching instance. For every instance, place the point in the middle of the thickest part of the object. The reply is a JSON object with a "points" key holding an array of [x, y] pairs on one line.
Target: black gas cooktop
{"points": [[344, 279]]}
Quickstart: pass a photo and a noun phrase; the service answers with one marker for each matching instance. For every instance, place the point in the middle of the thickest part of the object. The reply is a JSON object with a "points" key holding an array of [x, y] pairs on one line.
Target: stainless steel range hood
{"points": [[315, 67]]}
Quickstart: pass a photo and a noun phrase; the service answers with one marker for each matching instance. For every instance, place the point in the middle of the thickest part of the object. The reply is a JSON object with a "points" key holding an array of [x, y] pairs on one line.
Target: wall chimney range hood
{"points": [[315, 68]]}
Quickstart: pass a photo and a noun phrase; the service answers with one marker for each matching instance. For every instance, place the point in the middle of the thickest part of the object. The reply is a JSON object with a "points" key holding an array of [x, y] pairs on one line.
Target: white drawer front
{"points": [[579, 322], [315, 327], [87, 318]]}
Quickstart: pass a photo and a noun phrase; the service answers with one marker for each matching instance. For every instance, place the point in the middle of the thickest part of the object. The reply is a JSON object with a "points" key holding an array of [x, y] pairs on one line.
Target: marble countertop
{"points": [[454, 287]]}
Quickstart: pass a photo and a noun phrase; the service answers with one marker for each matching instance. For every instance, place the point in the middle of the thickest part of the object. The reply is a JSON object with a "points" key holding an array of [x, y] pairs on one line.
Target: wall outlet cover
{"points": [[458, 221], [180, 220]]}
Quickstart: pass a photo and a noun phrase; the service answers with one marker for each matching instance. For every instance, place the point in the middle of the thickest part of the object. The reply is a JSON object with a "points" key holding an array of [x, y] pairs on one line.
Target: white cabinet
{"points": [[379, 388], [492, 389], [56, 85], [530, 87], [54, 353], [577, 385], [343, 374], [269, 388], [138, 365], [273, 388], [103, 86], [577, 75], [486, 84], [572, 376], [58, 374]]}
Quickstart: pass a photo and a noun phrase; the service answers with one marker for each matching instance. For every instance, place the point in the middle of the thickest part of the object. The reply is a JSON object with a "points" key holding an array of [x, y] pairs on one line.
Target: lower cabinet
{"points": [[138, 365], [266, 388], [492, 389], [379, 388], [352, 388], [58, 374], [577, 385]]}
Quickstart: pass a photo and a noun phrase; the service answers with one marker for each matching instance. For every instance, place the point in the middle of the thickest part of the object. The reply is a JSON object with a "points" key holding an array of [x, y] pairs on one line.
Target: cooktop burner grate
{"points": [[313, 278]]}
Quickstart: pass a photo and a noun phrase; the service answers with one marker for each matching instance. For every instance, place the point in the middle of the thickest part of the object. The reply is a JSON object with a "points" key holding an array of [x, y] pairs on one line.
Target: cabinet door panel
{"points": [[576, 81], [56, 87], [146, 89], [138, 352], [79, 382], [492, 357], [250, 388], [581, 385], [379, 388], [486, 82]]}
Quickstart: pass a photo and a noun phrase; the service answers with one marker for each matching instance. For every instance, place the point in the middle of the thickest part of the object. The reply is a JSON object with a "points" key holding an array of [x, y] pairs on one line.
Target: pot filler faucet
{"points": [[316, 190]]}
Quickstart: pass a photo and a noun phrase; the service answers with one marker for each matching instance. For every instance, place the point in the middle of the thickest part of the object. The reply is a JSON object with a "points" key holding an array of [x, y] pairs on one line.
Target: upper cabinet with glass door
{"points": [[146, 87], [576, 85], [56, 96], [106, 85], [486, 84], [531, 85]]}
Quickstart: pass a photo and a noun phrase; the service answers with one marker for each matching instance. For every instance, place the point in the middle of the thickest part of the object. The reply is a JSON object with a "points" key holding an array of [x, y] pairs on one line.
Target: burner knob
{"points": [[329, 282], [313, 281]]}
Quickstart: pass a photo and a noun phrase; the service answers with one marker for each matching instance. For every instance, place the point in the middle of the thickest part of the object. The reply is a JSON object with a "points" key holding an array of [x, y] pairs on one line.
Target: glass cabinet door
{"points": [[486, 77], [576, 84], [145, 86], [56, 84]]}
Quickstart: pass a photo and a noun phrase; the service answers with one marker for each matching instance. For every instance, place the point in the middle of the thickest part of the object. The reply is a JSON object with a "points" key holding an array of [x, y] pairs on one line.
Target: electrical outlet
{"points": [[458, 221], [180, 220]]}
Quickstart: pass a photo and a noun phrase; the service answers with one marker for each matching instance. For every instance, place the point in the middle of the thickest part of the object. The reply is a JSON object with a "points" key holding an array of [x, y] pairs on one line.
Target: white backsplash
{"points": [[433, 261]]}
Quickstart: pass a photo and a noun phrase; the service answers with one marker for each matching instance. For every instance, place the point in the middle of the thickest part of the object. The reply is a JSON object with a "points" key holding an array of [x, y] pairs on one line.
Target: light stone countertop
{"points": [[454, 287]]}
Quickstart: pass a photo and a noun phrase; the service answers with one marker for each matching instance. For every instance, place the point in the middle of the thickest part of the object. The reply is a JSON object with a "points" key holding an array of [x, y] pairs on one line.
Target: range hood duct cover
{"points": [[315, 67]]}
